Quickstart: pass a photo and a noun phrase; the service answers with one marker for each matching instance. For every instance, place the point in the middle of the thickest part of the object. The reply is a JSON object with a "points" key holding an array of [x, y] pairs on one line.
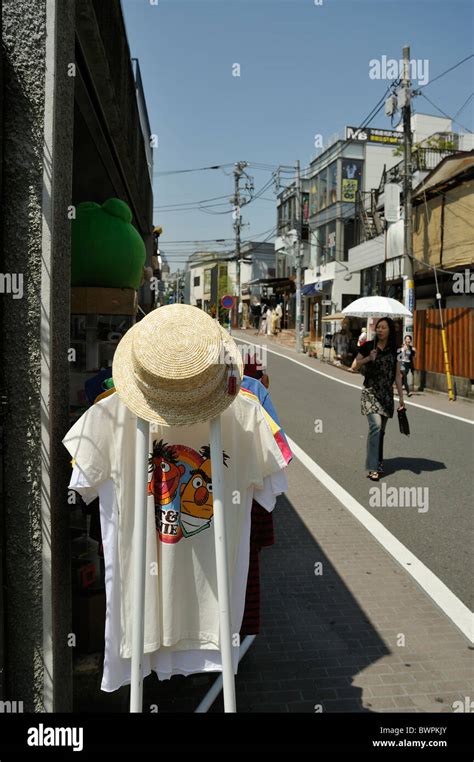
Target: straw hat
{"points": [[172, 367]]}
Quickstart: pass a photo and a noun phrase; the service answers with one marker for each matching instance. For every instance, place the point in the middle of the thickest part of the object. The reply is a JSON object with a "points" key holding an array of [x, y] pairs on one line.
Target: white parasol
{"points": [[376, 306]]}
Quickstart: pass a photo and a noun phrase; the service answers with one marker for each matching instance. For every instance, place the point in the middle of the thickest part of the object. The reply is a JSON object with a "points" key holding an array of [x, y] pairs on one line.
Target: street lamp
{"points": [[348, 275]]}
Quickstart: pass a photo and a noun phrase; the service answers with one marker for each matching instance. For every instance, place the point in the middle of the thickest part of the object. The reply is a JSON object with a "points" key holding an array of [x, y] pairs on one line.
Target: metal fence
{"points": [[459, 324]]}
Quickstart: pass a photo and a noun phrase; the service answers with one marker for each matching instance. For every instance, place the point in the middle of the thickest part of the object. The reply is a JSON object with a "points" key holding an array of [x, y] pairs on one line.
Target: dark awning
{"points": [[313, 289]]}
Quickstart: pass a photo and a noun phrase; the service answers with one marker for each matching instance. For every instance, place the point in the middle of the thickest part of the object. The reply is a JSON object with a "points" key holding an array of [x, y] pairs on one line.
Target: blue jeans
{"points": [[377, 424]]}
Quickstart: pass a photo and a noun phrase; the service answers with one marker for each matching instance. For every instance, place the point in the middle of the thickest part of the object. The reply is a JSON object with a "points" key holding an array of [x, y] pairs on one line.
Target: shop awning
{"points": [[313, 289], [331, 318], [279, 286]]}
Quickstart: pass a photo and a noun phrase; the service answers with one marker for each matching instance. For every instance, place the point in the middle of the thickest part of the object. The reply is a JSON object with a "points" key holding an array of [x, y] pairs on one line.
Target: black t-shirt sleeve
{"points": [[366, 348]]}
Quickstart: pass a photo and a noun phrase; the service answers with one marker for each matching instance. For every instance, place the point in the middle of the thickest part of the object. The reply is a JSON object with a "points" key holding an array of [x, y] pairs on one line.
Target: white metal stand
{"points": [[139, 570], [223, 591], [139, 561]]}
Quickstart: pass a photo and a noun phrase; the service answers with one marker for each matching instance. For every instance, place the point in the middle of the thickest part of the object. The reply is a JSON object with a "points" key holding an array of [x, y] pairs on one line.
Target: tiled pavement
{"points": [[359, 637]]}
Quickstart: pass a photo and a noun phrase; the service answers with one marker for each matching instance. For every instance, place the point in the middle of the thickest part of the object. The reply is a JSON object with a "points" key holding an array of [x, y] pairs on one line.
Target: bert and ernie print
{"points": [[181, 484]]}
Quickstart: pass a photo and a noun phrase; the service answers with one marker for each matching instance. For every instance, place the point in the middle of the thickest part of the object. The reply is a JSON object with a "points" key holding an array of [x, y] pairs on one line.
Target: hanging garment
{"points": [[261, 536], [166, 662], [253, 389], [181, 606], [261, 530]]}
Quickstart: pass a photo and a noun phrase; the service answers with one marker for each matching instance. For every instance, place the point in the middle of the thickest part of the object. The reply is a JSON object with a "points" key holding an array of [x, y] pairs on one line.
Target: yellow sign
{"points": [[349, 190]]}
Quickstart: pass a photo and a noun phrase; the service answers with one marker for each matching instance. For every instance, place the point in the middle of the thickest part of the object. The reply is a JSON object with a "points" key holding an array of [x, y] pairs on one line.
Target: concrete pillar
{"points": [[38, 40]]}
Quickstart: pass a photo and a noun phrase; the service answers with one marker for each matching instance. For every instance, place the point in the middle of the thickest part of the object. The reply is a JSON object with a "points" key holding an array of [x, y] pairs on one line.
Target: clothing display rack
{"points": [[139, 570]]}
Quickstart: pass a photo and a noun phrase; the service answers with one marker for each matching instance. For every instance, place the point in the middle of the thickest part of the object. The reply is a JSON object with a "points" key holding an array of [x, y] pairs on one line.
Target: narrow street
{"points": [[432, 458], [227, 249]]}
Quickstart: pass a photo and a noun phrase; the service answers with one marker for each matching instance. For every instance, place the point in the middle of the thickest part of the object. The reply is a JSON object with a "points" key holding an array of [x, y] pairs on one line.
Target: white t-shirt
{"points": [[181, 606], [165, 662]]}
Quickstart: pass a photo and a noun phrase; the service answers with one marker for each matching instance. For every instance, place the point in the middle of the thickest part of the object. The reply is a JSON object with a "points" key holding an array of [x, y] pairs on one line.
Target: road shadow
{"points": [[415, 465], [315, 638]]}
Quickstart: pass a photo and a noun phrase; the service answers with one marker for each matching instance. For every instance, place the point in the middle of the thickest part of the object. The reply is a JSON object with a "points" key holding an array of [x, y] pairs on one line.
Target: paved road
{"points": [[437, 458]]}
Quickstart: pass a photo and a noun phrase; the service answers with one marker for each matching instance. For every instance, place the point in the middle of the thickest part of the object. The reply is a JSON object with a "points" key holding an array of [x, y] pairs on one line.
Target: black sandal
{"points": [[373, 476]]}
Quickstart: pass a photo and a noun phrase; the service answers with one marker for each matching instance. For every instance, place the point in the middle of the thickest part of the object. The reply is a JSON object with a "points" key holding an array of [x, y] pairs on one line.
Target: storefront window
{"points": [[321, 245], [332, 183], [351, 179], [305, 208], [331, 241], [313, 198], [322, 189], [371, 281]]}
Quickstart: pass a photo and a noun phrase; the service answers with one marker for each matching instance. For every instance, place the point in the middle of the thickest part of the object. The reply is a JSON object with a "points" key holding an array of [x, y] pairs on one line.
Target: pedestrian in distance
{"points": [[406, 357], [256, 313], [378, 362], [279, 315], [274, 322], [263, 320], [362, 338], [269, 315]]}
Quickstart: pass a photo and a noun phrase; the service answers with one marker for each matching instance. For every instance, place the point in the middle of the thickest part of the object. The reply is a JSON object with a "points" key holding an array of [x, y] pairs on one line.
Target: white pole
{"points": [[223, 591], [216, 687], [139, 551]]}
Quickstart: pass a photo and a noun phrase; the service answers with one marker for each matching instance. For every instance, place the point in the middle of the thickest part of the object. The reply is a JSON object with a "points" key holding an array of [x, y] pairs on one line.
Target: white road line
{"points": [[449, 603], [347, 383]]}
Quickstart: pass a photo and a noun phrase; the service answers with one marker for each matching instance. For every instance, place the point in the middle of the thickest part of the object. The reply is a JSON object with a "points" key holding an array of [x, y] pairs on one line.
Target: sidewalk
{"points": [[359, 637], [332, 639]]}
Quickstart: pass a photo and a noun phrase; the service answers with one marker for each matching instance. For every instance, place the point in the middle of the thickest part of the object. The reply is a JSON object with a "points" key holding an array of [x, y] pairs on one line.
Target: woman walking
{"points": [[407, 354], [381, 369]]}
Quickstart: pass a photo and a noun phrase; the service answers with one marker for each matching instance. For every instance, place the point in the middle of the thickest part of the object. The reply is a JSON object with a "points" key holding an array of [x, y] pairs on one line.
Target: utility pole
{"points": [[236, 200], [298, 258], [177, 288], [408, 282]]}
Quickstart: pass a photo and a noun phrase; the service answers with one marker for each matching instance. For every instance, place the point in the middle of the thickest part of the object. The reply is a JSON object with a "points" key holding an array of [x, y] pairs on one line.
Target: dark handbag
{"points": [[403, 422]]}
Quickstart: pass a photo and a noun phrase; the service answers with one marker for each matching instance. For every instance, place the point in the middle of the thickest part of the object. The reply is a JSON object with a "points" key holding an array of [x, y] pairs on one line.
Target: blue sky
{"points": [[304, 70]]}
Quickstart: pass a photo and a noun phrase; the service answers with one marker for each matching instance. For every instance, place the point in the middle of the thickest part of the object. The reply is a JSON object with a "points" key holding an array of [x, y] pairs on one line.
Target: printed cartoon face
{"points": [[196, 499], [166, 474]]}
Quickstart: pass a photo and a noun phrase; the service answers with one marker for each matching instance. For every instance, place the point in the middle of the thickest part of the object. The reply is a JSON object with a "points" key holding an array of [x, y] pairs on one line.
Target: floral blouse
{"points": [[377, 391]]}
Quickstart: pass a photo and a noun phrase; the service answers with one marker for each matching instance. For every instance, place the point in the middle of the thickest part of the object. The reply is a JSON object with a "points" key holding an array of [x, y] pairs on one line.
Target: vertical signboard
{"points": [[351, 179]]}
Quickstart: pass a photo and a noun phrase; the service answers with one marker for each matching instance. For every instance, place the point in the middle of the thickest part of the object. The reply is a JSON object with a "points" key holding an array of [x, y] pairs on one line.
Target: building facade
{"points": [[212, 275], [74, 129]]}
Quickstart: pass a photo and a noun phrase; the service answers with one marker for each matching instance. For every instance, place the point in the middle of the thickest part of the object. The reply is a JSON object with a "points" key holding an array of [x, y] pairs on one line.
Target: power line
{"points": [[199, 205], [463, 106], [373, 113], [448, 70], [197, 169], [214, 240], [188, 203], [444, 113]]}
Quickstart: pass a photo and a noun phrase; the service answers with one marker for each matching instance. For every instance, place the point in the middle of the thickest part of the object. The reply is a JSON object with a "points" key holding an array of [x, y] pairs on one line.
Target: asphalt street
{"points": [[323, 417]]}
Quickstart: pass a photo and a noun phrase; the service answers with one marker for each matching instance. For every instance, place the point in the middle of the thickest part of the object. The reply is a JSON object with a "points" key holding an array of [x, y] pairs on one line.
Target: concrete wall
{"points": [[424, 125], [376, 157], [38, 40], [437, 382], [341, 286]]}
